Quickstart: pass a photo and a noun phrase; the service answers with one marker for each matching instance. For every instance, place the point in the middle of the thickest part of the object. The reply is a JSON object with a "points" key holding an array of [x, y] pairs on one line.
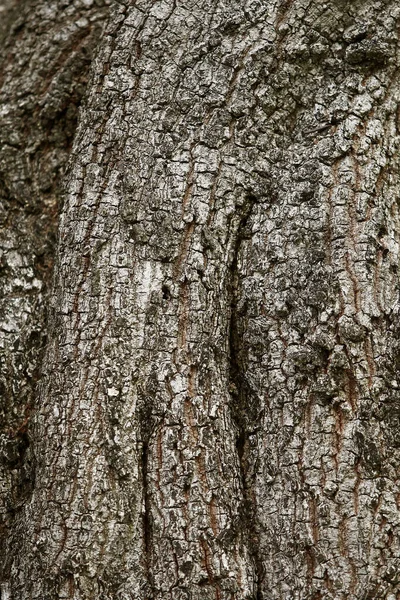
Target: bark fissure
{"points": [[242, 400], [147, 527]]}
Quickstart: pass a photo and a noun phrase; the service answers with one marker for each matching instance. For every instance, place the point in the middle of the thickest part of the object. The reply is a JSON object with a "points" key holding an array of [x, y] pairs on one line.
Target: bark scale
{"points": [[217, 413]]}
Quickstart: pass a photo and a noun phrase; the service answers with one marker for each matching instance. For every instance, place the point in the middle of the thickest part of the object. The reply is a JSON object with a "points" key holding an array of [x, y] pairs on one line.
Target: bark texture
{"points": [[217, 415], [45, 55]]}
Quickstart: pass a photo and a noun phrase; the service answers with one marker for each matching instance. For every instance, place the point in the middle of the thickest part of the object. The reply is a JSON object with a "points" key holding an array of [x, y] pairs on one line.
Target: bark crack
{"points": [[242, 403], [147, 534]]}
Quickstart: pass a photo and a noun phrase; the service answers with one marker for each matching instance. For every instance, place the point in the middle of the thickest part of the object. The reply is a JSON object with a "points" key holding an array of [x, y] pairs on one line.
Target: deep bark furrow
{"points": [[244, 412]]}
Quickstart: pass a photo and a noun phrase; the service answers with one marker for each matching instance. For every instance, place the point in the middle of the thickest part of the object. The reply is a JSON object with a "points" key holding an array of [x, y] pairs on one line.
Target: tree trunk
{"points": [[204, 402]]}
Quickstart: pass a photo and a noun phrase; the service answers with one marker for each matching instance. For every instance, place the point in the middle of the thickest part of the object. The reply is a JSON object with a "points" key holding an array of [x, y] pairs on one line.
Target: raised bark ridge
{"points": [[218, 412], [45, 55]]}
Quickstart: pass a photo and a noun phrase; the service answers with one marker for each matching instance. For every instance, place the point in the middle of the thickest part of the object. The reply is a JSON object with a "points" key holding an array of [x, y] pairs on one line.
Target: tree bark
{"points": [[203, 403]]}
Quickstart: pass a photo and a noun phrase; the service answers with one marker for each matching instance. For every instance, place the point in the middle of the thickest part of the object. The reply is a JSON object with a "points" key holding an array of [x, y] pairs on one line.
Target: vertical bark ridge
{"points": [[140, 320], [45, 55]]}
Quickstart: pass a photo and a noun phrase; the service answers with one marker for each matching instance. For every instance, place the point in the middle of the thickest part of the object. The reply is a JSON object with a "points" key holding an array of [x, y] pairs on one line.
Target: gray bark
{"points": [[204, 402]]}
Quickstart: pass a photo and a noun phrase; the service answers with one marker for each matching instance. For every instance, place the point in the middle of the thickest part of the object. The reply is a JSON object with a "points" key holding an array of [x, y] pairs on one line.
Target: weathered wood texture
{"points": [[218, 410]]}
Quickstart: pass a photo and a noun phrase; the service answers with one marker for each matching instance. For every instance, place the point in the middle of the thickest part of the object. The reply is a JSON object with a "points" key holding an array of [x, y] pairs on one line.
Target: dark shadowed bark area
{"points": [[200, 317]]}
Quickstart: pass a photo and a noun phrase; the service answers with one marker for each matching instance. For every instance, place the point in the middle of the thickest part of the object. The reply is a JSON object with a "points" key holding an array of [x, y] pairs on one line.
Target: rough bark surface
{"points": [[218, 412], [45, 55]]}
